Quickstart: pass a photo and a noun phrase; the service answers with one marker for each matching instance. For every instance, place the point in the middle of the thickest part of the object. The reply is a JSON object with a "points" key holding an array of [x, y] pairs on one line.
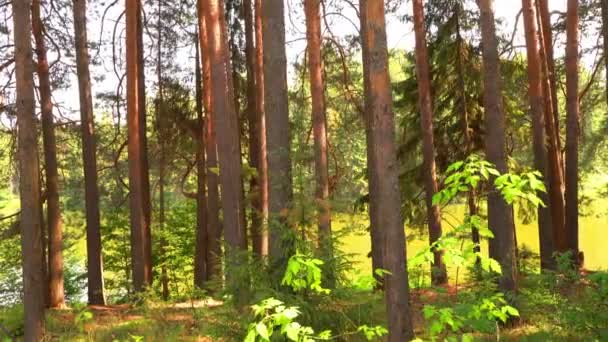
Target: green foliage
{"points": [[304, 273]]}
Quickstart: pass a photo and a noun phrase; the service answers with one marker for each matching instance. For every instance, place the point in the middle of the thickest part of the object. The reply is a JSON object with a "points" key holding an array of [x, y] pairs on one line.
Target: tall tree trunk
{"points": [[547, 33], [438, 270], [555, 165], [145, 167], [226, 121], [535, 91], [319, 123], [89, 151], [140, 263], [572, 129], [53, 214], [201, 274], [605, 34], [29, 181], [260, 246], [280, 190], [500, 215], [254, 138], [162, 135], [213, 198], [385, 197]]}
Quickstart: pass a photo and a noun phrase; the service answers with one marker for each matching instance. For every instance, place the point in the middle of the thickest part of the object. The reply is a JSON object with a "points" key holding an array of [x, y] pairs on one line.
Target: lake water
{"points": [[593, 236]]}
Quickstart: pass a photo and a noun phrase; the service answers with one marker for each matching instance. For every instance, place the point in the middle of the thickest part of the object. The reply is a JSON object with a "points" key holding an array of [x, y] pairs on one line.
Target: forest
{"points": [[303, 170]]}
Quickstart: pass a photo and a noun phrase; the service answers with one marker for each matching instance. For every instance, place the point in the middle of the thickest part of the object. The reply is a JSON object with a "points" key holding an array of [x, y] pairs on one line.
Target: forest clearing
{"points": [[303, 170]]}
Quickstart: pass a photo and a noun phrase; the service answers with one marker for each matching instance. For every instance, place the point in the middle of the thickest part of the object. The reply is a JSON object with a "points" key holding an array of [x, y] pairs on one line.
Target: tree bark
{"points": [[29, 181], [537, 110], [385, 197], [145, 167], [319, 124], [89, 151], [213, 198], [555, 165], [547, 33], [572, 129], [53, 212], [500, 215], [261, 244], [276, 107], [438, 269], [605, 34], [226, 121], [140, 263], [254, 138], [201, 274]]}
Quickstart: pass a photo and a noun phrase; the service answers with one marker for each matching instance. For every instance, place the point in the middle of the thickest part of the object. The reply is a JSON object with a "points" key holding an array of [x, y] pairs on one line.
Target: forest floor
{"points": [[570, 315]]}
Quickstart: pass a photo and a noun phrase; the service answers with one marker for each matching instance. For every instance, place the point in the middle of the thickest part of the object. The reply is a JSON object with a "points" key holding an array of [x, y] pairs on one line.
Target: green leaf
{"points": [[262, 331]]}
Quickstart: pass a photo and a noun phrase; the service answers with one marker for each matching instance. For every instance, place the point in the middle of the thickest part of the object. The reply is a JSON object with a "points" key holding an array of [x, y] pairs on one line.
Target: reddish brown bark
{"points": [[535, 91], [260, 246], [319, 123], [276, 107], [140, 262], [200, 250], [572, 128], [545, 27], [29, 181], [53, 212], [605, 36], [226, 121], [500, 214], [439, 272], [385, 199], [254, 138], [555, 166], [213, 199], [89, 151]]}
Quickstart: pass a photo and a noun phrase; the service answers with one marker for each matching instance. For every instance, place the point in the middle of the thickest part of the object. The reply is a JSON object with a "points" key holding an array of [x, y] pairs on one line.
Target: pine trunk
{"points": [[201, 274], [555, 165], [214, 232], [500, 214], [137, 186], [605, 35], [226, 120], [276, 108], [572, 128], [438, 269], [319, 124], [535, 91], [53, 212], [89, 152], [385, 197], [29, 180]]}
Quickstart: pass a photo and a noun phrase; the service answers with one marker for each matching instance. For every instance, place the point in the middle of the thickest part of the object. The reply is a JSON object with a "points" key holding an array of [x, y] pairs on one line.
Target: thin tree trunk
{"points": [[89, 151], [535, 91], [319, 123], [438, 269], [139, 229], [605, 34], [555, 165], [213, 199], [145, 167], [280, 190], [545, 27], [29, 172], [385, 197], [261, 247], [201, 274], [254, 138], [572, 130], [226, 121], [53, 218], [162, 135], [500, 215]]}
